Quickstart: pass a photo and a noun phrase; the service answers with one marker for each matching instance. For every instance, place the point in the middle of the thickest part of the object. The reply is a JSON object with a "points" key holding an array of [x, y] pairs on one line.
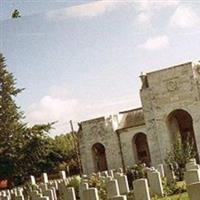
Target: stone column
{"points": [[141, 189]]}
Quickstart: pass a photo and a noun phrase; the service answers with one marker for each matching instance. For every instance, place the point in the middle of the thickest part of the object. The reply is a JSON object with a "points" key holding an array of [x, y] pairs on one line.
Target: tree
{"points": [[11, 126], [23, 150], [179, 155], [16, 14]]}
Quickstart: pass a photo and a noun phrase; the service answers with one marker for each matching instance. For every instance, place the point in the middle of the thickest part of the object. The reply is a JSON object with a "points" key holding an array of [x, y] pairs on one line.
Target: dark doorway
{"points": [[99, 157], [180, 124], [142, 149]]}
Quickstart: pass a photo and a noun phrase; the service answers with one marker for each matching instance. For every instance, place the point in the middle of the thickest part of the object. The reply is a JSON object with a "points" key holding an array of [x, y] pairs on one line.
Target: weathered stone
{"points": [[167, 96], [62, 175], [90, 194], [141, 189], [160, 168], [82, 187], [112, 188], [155, 183], [69, 194], [123, 184], [45, 178], [194, 191], [192, 176]]}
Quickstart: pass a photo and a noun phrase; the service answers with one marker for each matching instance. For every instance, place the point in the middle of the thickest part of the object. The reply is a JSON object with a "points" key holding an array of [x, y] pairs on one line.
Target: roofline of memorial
{"points": [[132, 110], [169, 67]]}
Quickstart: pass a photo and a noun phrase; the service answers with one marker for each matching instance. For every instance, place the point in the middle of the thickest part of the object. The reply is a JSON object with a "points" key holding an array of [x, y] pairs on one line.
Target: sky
{"points": [[79, 60]]}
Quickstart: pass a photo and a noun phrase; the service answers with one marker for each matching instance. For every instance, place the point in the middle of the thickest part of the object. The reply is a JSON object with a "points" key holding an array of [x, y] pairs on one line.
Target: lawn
{"points": [[182, 196]]}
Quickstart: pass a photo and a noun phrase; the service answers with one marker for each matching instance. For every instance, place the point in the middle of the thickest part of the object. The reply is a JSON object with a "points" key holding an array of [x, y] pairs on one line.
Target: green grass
{"points": [[182, 196]]}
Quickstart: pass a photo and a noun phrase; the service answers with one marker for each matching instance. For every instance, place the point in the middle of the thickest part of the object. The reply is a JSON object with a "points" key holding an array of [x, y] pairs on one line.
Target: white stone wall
{"points": [[163, 92], [169, 89], [129, 153], [94, 131]]}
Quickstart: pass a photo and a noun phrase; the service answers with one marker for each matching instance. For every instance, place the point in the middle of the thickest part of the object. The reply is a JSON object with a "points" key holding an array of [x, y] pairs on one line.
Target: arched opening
{"points": [[99, 157], [180, 124], [141, 148]]}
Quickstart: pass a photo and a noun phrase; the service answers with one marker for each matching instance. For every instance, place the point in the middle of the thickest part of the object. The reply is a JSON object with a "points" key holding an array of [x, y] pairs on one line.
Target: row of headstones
{"points": [[192, 179], [116, 186], [42, 191]]}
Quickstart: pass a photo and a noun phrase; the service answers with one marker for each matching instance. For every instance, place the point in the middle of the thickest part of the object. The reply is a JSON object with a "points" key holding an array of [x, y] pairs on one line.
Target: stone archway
{"points": [[99, 157], [141, 149], [180, 124]]}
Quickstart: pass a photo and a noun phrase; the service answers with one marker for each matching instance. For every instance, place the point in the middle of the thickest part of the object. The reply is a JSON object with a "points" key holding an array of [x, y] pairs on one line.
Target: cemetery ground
{"points": [[144, 184]]}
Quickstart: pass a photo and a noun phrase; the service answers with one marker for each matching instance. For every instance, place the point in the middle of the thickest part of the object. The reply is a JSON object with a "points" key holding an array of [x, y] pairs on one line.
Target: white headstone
{"points": [[70, 194], [194, 191], [155, 183], [192, 176], [90, 194], [123, 184], [141, 189], [112, 188], [45, 178]]}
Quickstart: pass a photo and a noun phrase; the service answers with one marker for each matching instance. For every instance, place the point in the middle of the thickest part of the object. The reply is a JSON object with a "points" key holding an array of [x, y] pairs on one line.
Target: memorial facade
{"points": [[170, 108]]}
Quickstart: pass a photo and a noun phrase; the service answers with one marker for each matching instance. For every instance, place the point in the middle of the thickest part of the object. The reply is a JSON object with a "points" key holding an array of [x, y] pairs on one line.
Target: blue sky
{"points": [[82, 59]]}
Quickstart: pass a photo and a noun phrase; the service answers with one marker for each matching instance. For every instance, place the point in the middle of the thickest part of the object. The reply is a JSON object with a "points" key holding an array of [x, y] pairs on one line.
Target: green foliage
{"points": [[11, 127], [179, 155], [75, 182], [173, 187], [24, 150], [99, 183]]}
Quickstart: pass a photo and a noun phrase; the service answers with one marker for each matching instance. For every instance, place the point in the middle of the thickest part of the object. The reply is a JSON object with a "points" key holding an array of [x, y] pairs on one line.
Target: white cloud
{"points": [[50, 109], [156, 43], [87, 10], [185, 17], [144, 5], [58, 106], [144, 18]]}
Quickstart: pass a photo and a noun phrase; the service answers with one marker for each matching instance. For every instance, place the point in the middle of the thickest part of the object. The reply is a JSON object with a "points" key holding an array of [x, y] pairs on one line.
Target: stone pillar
{"points": [[194, 191], [123, 184], [90, 194], [155, 183], [192, 176], [112, 188], [141, 189]]}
